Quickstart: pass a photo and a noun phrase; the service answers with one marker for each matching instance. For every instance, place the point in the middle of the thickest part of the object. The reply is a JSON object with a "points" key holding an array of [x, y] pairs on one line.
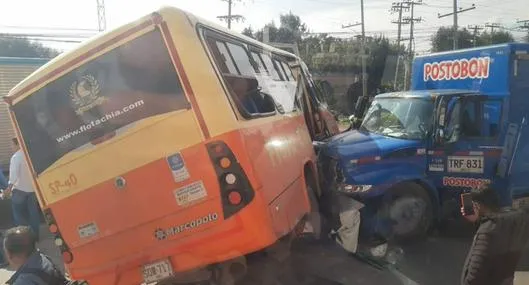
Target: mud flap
{"points": [[349, 215]]}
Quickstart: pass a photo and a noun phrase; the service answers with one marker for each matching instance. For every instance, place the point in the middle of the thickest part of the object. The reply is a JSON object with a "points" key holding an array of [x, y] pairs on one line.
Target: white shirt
{"points": [[19, 174]]}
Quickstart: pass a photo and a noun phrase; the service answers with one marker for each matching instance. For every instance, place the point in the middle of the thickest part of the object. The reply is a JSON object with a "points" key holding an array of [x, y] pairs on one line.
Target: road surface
{"points": [[436, 261]]}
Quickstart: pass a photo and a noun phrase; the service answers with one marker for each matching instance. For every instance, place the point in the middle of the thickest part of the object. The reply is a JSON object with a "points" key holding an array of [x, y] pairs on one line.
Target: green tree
{"points": [[22, 47], [442, 40], [495, 38], [290, 30], [248, 32]]}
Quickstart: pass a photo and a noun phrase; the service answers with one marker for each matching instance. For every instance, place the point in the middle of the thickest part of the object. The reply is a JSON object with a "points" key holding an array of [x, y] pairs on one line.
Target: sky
{"points": [[55, 16]]}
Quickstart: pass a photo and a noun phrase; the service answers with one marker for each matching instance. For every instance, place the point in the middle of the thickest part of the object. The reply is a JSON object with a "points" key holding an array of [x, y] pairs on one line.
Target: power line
{"points": [[455, 13], [492, 26], [524, 24], [228, 18], [475, 28]]}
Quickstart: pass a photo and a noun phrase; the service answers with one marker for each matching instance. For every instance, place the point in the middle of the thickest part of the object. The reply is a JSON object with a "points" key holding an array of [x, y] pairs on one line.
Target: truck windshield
{"points": [[406, 118]]}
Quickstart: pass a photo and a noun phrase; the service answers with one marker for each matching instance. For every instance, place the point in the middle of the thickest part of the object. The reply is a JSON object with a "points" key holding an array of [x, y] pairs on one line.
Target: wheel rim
{"points": [[406, 214]]}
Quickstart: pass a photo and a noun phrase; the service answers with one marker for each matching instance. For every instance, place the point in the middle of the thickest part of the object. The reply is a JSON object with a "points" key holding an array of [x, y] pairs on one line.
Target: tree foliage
{"points": [[442, 40], [22, 47]]}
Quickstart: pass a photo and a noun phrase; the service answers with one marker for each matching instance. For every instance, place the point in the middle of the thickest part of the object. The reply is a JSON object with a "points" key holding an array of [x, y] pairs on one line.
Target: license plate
{"points": [[465, 164], [157, 271]]}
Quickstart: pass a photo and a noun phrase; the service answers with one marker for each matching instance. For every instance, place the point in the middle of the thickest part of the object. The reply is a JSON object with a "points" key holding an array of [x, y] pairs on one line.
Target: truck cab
{"points": [[462, 125]]}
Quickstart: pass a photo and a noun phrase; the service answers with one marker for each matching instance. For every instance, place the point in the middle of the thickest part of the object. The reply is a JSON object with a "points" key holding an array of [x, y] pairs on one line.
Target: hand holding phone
{"points": [[468, 209], [467, 206]]}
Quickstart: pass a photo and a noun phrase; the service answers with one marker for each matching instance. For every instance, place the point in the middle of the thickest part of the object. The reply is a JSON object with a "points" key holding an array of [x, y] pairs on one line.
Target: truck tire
{"points": [[408, 210]]}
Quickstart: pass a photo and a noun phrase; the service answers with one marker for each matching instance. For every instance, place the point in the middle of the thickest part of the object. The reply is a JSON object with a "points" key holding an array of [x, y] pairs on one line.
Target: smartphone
{"points": [[466, 204]]}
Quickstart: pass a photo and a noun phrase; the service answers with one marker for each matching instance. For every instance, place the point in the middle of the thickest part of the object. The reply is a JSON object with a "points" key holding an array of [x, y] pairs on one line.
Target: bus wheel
{"points": [[407, 211]]}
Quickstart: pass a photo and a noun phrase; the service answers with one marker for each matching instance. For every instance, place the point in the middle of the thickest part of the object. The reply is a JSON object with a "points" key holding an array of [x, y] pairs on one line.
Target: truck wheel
{"points": [[408, 210]]}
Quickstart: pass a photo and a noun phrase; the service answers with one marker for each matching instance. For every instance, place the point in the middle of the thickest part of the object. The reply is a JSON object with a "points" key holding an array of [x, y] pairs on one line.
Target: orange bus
{"points": [[169, 147]]}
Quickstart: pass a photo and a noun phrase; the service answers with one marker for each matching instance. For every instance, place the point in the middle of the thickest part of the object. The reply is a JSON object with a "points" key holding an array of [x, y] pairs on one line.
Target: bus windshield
{"points": [[406, 118]]}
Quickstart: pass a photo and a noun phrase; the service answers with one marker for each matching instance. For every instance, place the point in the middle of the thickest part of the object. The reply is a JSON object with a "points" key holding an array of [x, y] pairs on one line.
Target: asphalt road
{"points": [[435, 261]]}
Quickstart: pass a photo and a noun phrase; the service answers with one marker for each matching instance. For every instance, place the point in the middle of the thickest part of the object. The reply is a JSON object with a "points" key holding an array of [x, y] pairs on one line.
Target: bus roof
{"points": [[106, 41]]}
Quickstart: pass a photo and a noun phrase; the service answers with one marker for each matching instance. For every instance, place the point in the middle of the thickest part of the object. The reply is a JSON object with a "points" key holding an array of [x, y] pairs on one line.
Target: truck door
{"points": [[467, 155], [516, 170]]}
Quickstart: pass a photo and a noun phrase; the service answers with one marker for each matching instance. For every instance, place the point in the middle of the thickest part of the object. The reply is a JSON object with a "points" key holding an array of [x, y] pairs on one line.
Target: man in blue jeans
{"points": [[26, 209]]}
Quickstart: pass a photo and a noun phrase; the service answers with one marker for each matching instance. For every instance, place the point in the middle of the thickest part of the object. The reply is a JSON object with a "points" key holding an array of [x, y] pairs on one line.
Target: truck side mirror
{"points": [[440, 136]]}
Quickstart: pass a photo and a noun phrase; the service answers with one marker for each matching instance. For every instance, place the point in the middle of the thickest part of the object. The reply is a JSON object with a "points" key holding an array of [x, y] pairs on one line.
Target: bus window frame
{"points": [[207, 33]]}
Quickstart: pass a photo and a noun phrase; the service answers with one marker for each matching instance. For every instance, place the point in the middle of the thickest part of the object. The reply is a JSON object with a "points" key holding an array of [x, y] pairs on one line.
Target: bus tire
{"points": [[409, 211]]}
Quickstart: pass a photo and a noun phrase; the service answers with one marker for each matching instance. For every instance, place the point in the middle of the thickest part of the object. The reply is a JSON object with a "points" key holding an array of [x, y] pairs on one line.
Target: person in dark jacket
{"points": [[498, 243], [32, 267]]}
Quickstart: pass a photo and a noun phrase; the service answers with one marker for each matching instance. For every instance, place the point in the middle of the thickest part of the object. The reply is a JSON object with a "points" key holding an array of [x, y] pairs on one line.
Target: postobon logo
{"points": [[85, 94], [464, 182], [474, 68], [162, 234]]}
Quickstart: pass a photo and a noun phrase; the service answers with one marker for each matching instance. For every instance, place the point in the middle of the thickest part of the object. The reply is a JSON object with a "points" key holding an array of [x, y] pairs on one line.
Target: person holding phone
{"points": [[499, 241]]}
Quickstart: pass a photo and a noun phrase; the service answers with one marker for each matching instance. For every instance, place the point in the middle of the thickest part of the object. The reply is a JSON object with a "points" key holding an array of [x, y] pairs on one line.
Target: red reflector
{"points": [[235, 198], [53, 228], [67, 257]]}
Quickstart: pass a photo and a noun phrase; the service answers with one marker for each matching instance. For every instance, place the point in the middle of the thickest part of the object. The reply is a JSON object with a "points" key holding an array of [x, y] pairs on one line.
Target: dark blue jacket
{"points": [[37, 268]]}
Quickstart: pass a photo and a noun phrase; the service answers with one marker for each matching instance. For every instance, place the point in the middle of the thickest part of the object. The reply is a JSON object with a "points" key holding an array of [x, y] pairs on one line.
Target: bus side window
{"points": [[287, 71], [280, 69], [270, 67], [240, 77], [226, 58], [259, 61]]}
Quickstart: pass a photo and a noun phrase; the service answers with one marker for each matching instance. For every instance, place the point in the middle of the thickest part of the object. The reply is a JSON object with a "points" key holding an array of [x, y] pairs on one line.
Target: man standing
{"points": [[498, 243], [26, 209], [32, 267]]}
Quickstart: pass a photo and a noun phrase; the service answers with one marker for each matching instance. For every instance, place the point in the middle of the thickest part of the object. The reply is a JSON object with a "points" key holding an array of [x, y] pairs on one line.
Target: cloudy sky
{"points": [[23, 16]]}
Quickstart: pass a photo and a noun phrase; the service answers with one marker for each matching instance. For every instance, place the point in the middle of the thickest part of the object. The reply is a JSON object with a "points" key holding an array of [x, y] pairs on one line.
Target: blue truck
{"points": [[463, 124]]}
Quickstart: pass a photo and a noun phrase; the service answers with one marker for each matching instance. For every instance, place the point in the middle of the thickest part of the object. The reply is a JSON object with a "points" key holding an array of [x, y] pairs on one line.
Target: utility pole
{"points": [[455, 13], [492, 26], [475, 29], [101, 18], [363, 43], [228, 18], [411, 20], [398, 7], [364, 75]]}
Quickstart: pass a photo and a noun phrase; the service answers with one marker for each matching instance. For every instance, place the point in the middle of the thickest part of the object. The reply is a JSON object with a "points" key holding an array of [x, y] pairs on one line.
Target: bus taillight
{"points": [[236, 191], [59, 241]]}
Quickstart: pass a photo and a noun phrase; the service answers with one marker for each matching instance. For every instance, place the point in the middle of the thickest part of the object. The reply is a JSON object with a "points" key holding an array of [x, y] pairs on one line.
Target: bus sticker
{"points": [[190, 193], [87, 230], [178, 167]]}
